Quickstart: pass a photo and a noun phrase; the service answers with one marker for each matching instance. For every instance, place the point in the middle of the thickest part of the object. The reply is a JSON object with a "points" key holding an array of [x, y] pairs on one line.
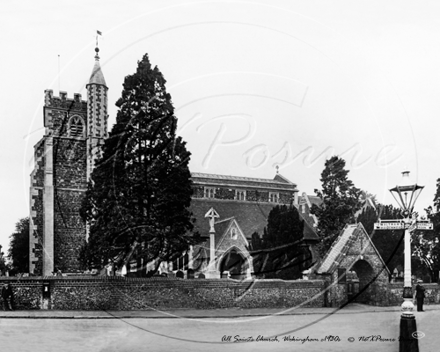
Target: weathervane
{"points": [[97, 34]]}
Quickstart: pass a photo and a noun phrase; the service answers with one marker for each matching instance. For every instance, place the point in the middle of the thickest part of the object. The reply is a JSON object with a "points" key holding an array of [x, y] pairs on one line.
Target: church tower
{"points": [[64, 159]]}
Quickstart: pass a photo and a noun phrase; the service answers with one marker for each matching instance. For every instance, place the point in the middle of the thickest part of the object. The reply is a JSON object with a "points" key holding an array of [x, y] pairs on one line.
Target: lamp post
{"points": [[406, 194]]}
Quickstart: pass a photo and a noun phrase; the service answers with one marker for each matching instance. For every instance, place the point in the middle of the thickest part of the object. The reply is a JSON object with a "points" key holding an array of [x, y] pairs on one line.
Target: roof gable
{"points": [[280, 178], [232, 224], [341, 246], [305, 203]]}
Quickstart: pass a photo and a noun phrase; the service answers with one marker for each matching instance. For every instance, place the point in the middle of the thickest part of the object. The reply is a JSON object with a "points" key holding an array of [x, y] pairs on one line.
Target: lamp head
{"points": [[406, 194]]}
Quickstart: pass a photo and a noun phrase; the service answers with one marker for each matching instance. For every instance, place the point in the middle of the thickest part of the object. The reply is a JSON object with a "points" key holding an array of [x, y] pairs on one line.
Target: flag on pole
{"points": [[99, 32]]}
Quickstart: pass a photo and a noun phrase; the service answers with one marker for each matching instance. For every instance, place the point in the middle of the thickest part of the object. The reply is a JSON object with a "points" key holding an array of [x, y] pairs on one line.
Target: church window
{"points": [[274, 197], [234, 233], [209, 192], [76, 126], [240, 195]]}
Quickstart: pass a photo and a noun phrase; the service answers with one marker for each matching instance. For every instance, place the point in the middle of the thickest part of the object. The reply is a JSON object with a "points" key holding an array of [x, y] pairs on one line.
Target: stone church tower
{"points": [[64, 158]]}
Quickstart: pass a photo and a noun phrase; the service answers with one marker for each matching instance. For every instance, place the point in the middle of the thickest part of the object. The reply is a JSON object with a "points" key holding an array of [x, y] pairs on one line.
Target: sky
{"points": [[255, 84]]}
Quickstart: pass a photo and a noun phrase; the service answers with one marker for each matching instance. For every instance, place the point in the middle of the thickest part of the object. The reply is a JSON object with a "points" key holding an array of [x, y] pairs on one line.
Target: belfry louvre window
{"points": [[209, 192], [76, 127]]}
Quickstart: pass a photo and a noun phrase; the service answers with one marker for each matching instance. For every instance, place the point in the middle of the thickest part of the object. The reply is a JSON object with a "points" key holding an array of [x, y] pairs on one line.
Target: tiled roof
{"points": [[308, 201], [309, 230], [332, 256], [342, 244], [220, 229], [313, 199], [279, 180], [250, 216]]}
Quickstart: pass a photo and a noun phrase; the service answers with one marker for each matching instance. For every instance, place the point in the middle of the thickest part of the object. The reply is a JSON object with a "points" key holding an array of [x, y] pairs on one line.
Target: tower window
{"points": [[209, 192], [76, 126]]}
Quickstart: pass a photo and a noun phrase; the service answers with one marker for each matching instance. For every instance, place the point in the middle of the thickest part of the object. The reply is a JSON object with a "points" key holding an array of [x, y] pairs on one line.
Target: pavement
{"points": [[353, 308]]}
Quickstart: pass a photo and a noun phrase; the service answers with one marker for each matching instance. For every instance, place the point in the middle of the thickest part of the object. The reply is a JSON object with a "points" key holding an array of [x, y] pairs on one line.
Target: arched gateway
{"points": [[235, 262], [354, 269]]}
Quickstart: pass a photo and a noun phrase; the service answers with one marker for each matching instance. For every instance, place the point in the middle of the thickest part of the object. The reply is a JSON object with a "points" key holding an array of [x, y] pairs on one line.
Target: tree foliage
{"points": [[3, 265], [279, 253], [389, 243], [427, 243], [137, 201], [340, 202], [18, 252]]}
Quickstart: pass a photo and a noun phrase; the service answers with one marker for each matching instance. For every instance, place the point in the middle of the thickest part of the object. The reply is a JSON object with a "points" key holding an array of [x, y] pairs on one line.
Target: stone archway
{"points": [[353, 251], [366, 275], [234, 262]]}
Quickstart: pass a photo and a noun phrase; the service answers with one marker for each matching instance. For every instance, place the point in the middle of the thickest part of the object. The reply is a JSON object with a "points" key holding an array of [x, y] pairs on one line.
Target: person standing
{"points": [[8, 297], [420, 295]]}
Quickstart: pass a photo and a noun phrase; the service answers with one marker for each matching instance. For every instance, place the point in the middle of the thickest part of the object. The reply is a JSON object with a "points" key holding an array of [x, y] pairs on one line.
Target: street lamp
{"points": [[406, 194]]}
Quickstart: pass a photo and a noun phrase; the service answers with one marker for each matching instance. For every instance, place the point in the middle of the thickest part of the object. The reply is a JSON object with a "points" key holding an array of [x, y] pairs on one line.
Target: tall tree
{"points": [[18, 252], [137, 201], [279, 253], [2, 262], [427, 243], [340, 202]]}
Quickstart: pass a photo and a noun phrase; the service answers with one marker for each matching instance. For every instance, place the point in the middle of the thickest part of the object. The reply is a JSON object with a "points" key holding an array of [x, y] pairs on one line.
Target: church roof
{"points": [[250, 216], [309, 230], [97, 76], [305, 203], [277, 182]]}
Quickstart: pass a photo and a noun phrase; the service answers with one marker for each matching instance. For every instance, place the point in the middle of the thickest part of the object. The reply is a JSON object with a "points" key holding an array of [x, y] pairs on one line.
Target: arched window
{"points": [[76, 126]]}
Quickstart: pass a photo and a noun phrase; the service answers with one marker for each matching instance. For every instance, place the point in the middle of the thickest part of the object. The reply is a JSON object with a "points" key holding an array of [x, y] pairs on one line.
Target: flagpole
{"points": [[59, 75]]}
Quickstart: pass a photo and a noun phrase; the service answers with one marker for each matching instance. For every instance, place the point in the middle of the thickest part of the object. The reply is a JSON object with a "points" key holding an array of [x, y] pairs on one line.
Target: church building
{"points": [[64, 158], [228, 209]]}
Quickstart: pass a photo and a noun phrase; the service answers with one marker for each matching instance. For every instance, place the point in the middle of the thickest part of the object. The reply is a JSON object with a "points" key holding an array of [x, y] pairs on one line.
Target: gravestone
{"points": [[180, 274]]}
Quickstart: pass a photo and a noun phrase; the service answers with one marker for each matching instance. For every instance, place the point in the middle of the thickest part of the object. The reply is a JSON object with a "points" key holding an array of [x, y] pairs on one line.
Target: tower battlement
{"points": [[63, 101]]}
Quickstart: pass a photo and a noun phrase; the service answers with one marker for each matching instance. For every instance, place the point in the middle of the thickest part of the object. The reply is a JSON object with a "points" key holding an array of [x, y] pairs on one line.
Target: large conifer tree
{"points": [[137, 201], [340, 202]]}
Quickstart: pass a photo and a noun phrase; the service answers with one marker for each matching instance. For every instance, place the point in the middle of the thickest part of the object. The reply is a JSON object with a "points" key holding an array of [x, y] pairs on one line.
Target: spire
{"points": [[97, 77]]}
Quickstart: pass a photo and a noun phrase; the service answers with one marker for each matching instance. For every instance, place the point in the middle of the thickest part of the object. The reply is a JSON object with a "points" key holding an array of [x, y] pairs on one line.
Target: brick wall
{"points": [[432, 293], [115, 293]]}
